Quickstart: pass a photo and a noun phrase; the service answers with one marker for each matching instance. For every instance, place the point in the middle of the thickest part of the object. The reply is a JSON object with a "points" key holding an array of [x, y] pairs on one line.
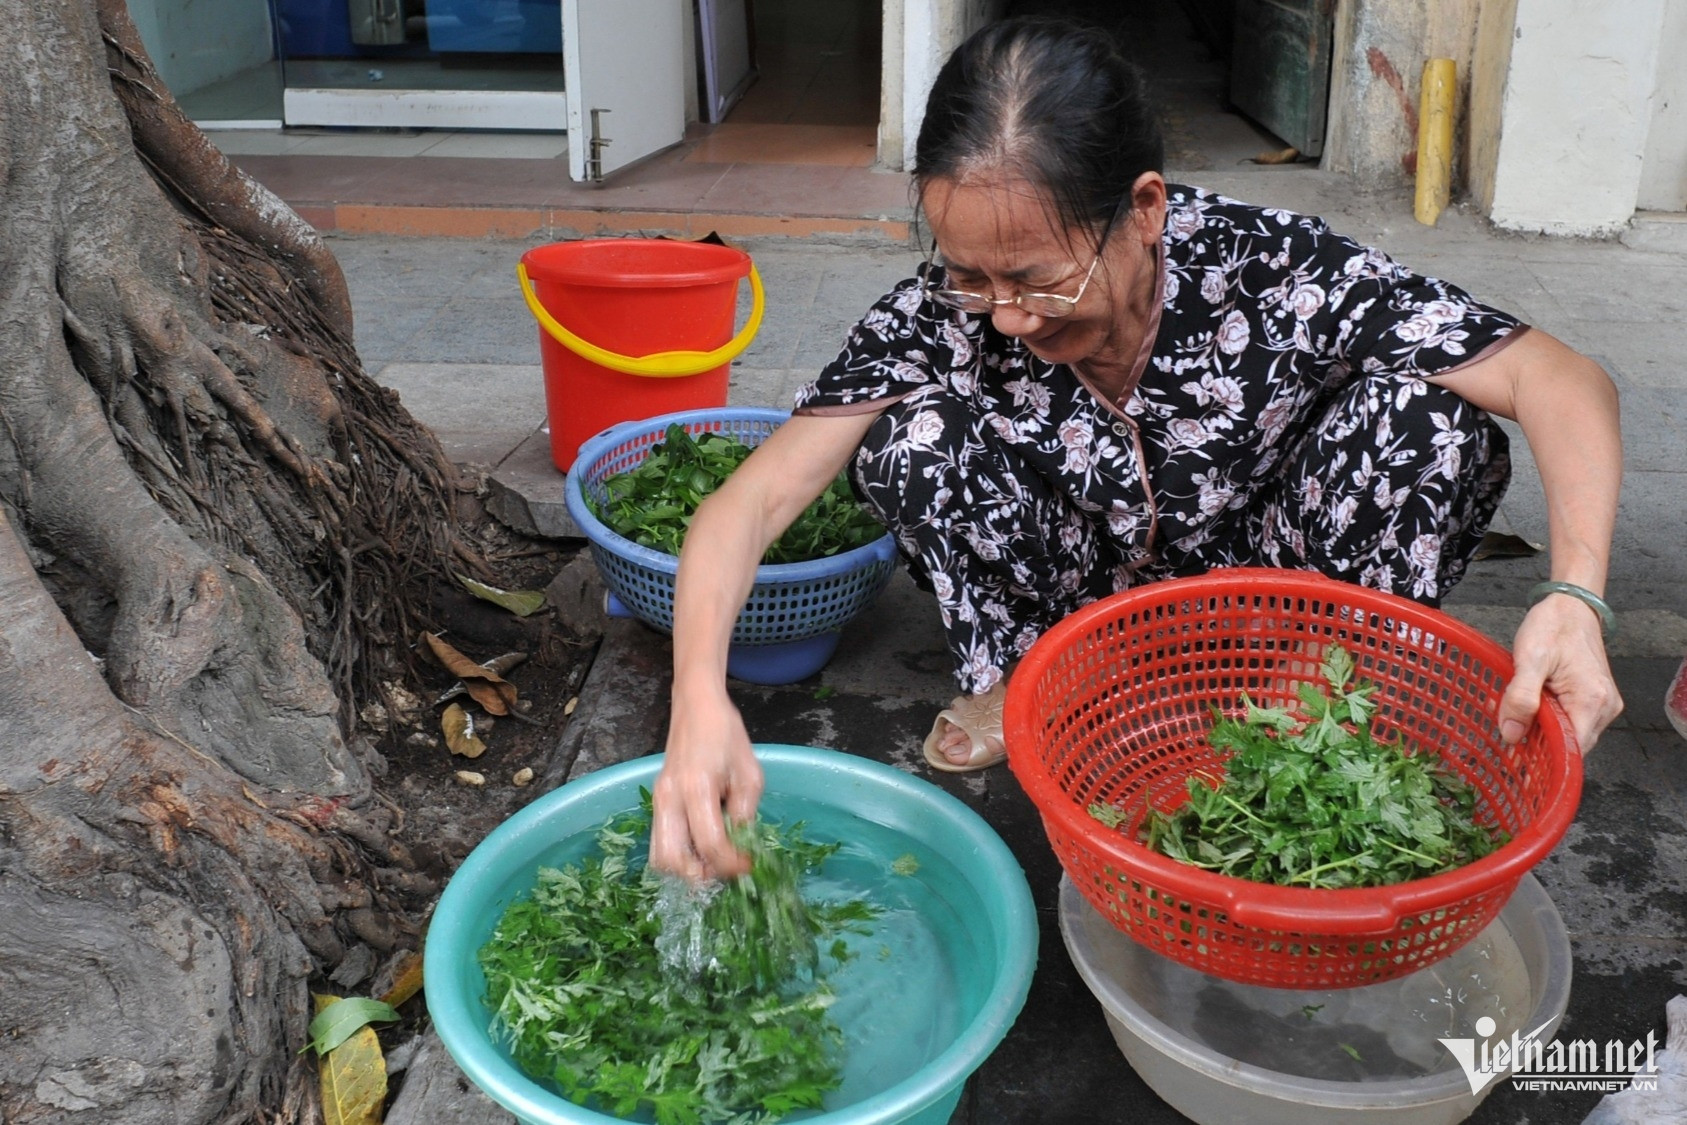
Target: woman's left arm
{"points": [[1567, 408]]}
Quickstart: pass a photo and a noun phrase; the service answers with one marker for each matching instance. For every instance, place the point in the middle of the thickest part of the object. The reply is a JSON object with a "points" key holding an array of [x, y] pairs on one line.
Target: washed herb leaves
{"points": [[652, 504], [737, 1032], [1309, 797]]}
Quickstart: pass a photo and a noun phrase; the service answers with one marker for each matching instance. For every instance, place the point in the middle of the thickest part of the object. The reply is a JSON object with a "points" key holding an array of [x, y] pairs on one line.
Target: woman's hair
{"points": [[1047, 100]]}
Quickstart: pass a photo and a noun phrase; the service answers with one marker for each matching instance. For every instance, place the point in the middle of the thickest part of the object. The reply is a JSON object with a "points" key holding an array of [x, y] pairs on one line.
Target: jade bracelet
{"points": [[1607, 619]]}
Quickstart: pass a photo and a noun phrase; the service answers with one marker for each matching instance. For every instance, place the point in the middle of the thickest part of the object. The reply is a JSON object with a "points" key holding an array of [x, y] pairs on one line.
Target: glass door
{"points": [[453, 64], [221, 64], [447, 64]]}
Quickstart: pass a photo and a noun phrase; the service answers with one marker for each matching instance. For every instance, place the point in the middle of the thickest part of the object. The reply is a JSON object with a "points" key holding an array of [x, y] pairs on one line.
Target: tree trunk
{"points": [[213, 527]]}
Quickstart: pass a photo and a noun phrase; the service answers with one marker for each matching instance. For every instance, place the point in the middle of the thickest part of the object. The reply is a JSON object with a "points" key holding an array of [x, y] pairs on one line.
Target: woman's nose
{"points": [[1011, 320]]}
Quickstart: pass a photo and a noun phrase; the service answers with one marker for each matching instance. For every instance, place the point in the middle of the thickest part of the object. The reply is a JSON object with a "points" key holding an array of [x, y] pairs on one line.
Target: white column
{"points": [[1575, 114]]}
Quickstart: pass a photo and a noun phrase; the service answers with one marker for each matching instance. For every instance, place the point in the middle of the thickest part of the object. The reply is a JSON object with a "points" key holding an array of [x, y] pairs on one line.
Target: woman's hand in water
{"points": [[710, 768]]}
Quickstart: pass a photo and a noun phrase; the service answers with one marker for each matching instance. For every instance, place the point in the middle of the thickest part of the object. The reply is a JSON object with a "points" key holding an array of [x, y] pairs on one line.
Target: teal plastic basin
{"points": [[959, 945]]}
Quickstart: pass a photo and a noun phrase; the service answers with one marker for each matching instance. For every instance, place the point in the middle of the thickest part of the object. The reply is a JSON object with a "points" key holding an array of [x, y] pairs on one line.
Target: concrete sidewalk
{"points": [[441, 322]]}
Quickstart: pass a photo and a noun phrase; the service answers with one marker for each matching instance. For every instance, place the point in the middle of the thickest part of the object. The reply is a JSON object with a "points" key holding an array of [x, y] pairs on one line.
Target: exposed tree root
{"points": [[218, 536]]}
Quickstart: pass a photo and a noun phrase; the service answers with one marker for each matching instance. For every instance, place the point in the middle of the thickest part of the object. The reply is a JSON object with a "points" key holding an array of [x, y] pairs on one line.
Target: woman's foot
{"points": [[967, 735]]}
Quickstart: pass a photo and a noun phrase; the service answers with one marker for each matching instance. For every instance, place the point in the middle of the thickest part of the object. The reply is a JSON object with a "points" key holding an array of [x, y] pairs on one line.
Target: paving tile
{"points": [[254, 142], [1642, 289], [477, 330], [1654, 423], [1653, 354], [525, 146], [479, 412], [381, 269], [363, 142], [526, 491], [773, 387], [444, 181], [836, 145], [662, 183], [317, 179], [1650, 532], [388, 329], [809, 190]]}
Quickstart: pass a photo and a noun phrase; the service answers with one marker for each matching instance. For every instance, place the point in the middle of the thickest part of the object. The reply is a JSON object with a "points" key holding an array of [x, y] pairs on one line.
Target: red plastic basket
{"points": [[1113, 705]]}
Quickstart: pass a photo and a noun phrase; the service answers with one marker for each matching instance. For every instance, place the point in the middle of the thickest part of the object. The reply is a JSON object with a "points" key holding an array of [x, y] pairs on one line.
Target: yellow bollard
{"points": [[1435, 139]]}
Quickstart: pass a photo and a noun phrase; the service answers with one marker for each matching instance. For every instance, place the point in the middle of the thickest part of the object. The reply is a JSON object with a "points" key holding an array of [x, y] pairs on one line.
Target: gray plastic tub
{"points": [[1182, 1030]]}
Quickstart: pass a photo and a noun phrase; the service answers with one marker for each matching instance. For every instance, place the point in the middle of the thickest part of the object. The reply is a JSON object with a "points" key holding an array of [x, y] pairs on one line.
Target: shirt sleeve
{"points": [[1376, 316], [898, 347]]}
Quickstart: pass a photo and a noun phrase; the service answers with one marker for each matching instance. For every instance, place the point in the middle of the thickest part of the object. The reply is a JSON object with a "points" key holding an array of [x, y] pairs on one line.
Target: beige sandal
{"points": [[979, 717]]}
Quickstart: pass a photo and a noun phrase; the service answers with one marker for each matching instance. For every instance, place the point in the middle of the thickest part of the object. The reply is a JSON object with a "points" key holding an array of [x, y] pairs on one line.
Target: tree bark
{"points": [[215, 530]]}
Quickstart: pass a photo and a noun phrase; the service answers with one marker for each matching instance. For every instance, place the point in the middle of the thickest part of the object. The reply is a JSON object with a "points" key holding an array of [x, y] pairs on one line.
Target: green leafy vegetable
{"points": [[589, 994], [1311, 798], [653, 503]]}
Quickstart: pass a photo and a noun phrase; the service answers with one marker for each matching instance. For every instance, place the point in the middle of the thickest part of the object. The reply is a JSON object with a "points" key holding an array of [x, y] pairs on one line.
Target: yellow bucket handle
{"points": [[661, 365]]}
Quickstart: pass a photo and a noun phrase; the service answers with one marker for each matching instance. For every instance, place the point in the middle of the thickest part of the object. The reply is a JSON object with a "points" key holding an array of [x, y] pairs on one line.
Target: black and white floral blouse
{"points": [[1264, 318]]}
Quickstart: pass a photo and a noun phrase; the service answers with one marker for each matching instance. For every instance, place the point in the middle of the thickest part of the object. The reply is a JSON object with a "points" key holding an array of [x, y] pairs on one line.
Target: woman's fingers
{"points": [[670, 842], [710, 775], [1559, 649], [1518, 706]]}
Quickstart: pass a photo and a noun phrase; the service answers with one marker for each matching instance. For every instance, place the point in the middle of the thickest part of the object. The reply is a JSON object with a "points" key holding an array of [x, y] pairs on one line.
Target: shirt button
{"points": [[1122, 429]]}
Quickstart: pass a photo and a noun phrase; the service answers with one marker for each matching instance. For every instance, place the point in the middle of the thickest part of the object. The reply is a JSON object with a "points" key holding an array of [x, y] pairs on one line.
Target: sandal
{"points": [[979, 717]]}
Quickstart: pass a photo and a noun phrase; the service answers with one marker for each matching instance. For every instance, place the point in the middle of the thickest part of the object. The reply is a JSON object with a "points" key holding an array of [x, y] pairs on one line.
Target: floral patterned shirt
{"points": [[1262, 315]]}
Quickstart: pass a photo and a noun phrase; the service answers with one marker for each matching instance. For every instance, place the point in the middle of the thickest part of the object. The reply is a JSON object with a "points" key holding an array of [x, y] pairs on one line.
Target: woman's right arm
{"points": [[709, 766]]}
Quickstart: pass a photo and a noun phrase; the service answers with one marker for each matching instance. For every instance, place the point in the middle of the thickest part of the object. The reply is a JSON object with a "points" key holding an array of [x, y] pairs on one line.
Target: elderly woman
{"points": [[1102, 379]]}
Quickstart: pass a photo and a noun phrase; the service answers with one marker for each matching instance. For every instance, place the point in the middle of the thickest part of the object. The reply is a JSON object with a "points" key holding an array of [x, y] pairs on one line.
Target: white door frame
{"points": [[534, 111]]}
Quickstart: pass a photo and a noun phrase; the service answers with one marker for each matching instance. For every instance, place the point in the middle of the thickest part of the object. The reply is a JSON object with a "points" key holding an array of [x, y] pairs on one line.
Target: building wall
{"points": [[1490, 63], [1663, 171], [194, 43], [920, 34], [1376, 80], [1575, 115]]}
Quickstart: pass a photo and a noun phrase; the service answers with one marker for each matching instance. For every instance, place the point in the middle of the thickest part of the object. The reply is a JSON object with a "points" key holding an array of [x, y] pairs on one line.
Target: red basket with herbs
{"points": [[1113, 711]]}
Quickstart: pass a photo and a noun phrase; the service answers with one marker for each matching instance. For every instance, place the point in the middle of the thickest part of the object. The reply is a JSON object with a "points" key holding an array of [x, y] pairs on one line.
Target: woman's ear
{"points": [[1148, 205]]}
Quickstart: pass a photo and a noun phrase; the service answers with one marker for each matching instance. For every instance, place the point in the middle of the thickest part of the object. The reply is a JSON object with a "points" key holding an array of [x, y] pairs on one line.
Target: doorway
{"points": [[815, 95], [1184, 48]]}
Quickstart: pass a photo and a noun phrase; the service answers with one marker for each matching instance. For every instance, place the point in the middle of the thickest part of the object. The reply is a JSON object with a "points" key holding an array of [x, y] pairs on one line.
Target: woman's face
{"points": [[999, 237]]}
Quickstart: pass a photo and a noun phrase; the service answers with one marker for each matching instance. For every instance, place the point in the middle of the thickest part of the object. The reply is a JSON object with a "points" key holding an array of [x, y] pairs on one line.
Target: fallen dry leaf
{"points": [[484, 686], [406, 982], [498, 665], [522, 603], [1281, 156], [458, 728]]}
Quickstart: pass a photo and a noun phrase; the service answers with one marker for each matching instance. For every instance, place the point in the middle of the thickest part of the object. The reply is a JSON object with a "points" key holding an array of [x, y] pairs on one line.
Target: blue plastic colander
{"points": [[791, 623]]}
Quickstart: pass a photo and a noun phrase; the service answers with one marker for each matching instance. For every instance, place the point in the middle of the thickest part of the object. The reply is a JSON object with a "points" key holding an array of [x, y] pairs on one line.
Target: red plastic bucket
{"points": [[633, 327]]}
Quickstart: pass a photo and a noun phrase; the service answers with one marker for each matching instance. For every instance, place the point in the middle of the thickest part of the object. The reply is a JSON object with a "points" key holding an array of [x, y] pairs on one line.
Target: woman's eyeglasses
{"points": [[1045, 305]]}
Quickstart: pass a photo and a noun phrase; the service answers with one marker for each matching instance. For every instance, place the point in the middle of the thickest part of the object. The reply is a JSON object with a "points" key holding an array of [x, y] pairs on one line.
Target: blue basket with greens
{"points": [[641, 481]]}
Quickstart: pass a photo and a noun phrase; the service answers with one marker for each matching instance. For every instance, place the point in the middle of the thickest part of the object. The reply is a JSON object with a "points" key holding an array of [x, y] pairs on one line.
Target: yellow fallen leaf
{"points": [[406, 982], [522, 603], [458, 728], [354, 1077], [1280, 156]]}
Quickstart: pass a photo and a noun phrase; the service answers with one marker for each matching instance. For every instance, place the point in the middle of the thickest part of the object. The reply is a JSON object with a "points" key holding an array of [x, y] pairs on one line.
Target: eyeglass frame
{"points": [[1066, 305]]}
